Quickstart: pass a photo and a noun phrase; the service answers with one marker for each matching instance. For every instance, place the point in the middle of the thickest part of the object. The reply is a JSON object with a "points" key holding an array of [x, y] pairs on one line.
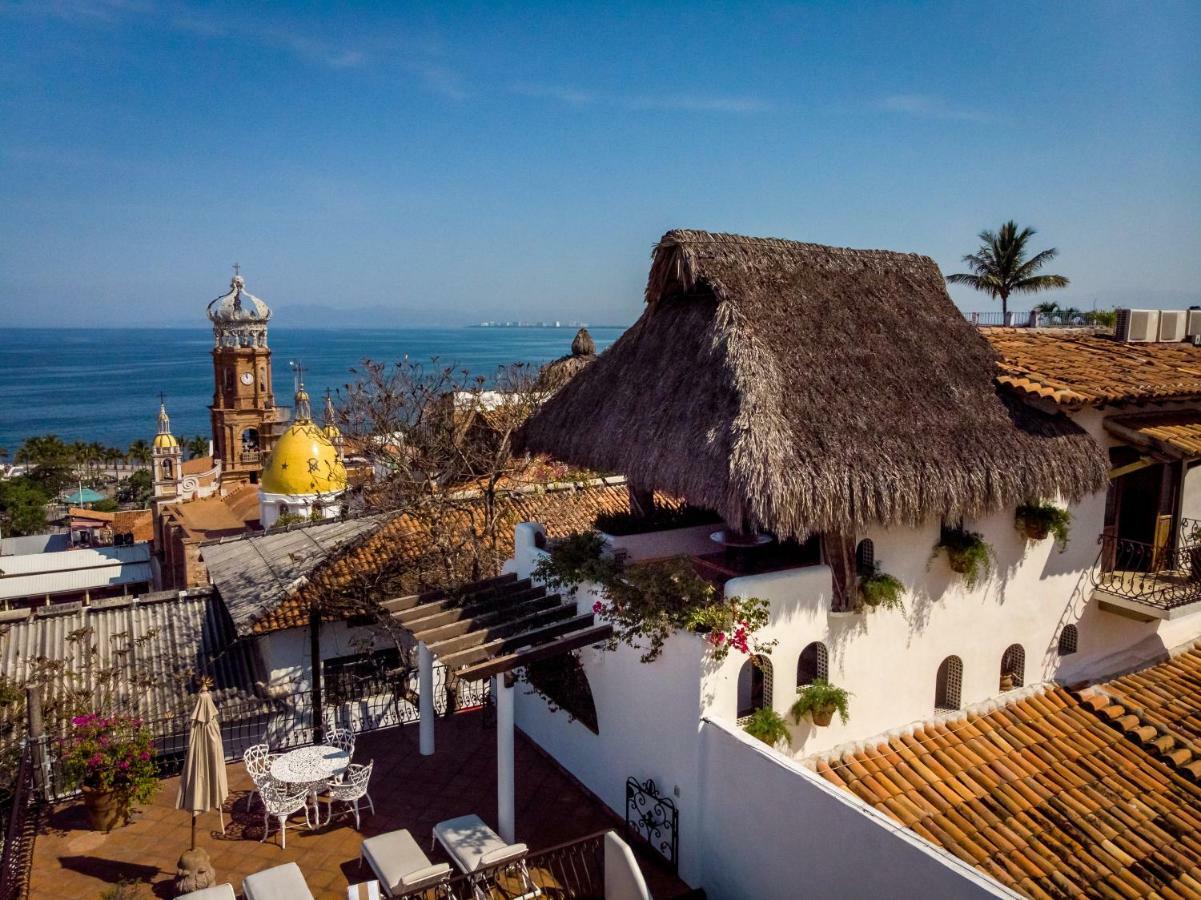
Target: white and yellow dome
{"points": [[304, 460], [164, 440]]}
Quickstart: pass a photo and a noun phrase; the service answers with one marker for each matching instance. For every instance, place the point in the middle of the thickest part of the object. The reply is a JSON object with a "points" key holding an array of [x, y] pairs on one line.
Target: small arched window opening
{"points": [[283, 509], [948, 685], [1013, 667], [250, 439], [865, 557], [814, 663], [168, 469], [754, 686], [1068, 639]]}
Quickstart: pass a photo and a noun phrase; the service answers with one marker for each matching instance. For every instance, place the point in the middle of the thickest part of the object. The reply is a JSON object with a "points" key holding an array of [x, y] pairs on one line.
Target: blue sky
{"points": [[450, 163]]}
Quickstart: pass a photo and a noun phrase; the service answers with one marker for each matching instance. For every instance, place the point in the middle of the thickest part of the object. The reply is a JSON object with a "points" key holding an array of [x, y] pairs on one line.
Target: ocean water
{"points": [[103, 384]]}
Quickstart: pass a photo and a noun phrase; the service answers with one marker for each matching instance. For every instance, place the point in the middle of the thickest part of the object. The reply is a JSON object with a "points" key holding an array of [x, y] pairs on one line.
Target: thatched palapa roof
{"points": [[799, 388], [558, 372]]}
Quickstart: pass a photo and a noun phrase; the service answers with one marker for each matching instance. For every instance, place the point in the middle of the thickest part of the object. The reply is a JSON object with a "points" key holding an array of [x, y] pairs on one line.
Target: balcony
{"points": [[1144, 582], [250, 457]]}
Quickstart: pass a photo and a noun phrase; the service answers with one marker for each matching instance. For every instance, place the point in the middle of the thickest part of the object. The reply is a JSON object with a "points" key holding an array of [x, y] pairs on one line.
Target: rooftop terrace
{"points": [[409, 791]]}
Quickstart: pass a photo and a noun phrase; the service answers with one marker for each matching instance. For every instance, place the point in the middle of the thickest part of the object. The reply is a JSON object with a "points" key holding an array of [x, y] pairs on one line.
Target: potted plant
{"points": [[879, 590], [967, 553], [1037, 520], [768, 726], [820, 700], [110, 758]]}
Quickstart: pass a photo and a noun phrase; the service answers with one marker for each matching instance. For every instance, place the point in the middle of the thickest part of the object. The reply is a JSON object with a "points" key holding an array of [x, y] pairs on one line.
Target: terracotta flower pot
{"points": [[822, 717], [1035, 531], [104, 808]]}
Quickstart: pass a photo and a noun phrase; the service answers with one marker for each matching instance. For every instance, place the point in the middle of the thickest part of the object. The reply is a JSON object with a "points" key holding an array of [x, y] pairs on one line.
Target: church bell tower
{"points": [[243, 411]]}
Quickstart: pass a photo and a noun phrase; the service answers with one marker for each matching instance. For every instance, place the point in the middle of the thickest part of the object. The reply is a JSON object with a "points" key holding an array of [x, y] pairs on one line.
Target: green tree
{"points": [[1000, 266], [197, 446], [22, 506], [108, 504], [137, 489], [113, 457], [139, 452], [52, 465]]}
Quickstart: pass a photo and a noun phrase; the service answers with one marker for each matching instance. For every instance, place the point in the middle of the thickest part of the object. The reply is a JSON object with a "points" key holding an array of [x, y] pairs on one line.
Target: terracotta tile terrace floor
{"points": [[410, 791]]}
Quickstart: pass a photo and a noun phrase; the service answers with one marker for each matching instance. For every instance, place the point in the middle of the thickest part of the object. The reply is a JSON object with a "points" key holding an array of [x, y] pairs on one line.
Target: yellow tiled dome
{"points": [[165, 442], [303, 461]]}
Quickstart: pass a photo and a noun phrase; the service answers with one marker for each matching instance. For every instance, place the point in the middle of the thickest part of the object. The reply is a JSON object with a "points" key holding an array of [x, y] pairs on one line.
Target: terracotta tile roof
{"points": [[407, 555], [197, 466], [1074, 368], [215, 516], [1176, 433], [1166, 697], [94, 515], [138, 522], [1043, 794]]}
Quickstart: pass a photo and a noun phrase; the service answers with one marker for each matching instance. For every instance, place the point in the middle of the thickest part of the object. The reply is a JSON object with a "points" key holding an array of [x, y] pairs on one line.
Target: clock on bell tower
{"points": [[243, 411]]}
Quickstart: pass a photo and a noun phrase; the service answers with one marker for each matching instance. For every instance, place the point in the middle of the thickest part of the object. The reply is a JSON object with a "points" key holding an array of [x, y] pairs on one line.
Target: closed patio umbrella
{"points": [[203, 784]]}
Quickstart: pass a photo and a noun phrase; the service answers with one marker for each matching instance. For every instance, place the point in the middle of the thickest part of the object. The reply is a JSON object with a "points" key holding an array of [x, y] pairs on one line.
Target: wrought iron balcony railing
{"points": [[1162, 577]]}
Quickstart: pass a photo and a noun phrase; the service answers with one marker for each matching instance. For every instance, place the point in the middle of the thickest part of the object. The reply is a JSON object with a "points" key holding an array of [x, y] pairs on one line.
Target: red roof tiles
{"points": [[1044, 795]]}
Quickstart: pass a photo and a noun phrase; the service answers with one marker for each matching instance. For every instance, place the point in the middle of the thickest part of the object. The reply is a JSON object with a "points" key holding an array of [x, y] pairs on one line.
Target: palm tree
{"points": [[139, 452], [197, 446], [1000, 267], [113, 457]]}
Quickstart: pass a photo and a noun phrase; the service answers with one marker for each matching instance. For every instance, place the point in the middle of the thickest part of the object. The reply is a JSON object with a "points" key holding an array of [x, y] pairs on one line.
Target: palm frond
{"points": [[1034, 263], [1039, 283]]}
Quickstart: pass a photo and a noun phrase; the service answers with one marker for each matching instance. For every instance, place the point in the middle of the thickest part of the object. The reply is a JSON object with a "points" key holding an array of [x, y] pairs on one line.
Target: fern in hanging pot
{"points": [[879, 590], [768, 726], [967, 554], [820, 700], [1036, 521]]}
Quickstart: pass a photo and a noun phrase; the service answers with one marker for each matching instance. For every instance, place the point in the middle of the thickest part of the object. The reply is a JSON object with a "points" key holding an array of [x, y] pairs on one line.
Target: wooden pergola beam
{"points": [[503, 629], [511, 661], [515, 642]]}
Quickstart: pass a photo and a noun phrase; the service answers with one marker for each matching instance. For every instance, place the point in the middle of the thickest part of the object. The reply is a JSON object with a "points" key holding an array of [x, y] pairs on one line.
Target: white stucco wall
{"points": [[285, 653], [772, 829]]}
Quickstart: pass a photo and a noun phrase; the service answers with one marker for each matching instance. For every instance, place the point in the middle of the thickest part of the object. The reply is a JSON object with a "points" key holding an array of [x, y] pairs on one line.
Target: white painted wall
{"points": [[673, 542], [272, 506], [773, 829], [285, 653]]}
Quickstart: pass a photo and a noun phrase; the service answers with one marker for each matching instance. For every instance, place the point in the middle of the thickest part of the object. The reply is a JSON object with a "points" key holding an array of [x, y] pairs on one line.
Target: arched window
{"points": [[283, 509], [814, 663], [754, 686], [865, 556], [168, 469], [1013, 667], [250, 439], [948, 686], [1068, 639]]}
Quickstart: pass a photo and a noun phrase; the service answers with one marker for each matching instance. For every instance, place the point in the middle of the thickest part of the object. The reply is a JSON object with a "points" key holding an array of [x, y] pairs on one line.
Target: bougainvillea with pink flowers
{"points": [[110, 753], [650, 601]]}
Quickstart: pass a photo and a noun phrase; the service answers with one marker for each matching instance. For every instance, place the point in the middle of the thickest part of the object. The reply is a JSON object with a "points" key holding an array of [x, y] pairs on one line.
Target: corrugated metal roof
{"points": [[34, 543], [170, 641], [34, 574], [254, 573]]}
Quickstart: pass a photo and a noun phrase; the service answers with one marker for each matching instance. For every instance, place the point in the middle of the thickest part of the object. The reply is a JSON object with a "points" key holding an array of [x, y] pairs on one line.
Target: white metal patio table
{"points": [[310, 765]]}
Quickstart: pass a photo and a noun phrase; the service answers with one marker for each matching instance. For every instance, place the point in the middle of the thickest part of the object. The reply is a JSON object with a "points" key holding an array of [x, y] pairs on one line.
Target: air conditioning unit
{"points": [[1193, 329], [1172, 324], [1137, 325]]}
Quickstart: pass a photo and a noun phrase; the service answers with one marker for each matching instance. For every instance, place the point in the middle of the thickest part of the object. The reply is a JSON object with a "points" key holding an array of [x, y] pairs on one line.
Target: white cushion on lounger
{"points": [[399, 863], [473, 845], [216, 892], [280, 883]]}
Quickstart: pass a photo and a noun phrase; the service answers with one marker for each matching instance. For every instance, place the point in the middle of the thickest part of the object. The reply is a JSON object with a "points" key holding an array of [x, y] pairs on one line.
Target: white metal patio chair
{"points": [[280, 800], [257, 759], [350, 790]]}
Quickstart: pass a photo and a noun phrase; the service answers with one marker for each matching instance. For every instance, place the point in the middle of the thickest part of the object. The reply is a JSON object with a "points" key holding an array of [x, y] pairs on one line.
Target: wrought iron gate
{"points": [[654, 819]]}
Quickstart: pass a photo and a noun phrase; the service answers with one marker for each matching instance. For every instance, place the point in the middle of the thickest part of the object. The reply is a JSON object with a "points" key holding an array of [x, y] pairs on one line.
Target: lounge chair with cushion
{"points": [[216, 892], [475, 849], [279, 883], [399, 865]]}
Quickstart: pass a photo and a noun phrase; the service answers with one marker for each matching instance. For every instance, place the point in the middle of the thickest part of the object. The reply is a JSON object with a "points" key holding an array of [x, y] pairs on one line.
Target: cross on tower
{"points": [[237, 269], [162, 398]]}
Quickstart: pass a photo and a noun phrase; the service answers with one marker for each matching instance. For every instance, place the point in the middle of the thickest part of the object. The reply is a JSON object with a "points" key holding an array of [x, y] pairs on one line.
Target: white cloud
{"points": [[927, 106], [679, 102]]}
